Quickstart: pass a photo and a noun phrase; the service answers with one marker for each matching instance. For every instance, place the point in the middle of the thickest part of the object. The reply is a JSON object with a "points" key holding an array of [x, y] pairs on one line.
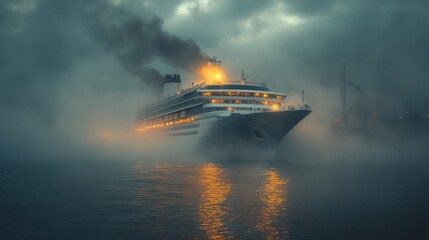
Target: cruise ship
{"points": [[219, 116]]}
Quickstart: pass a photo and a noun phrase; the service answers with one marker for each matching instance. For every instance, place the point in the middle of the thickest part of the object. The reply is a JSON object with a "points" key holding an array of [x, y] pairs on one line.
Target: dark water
{"points": [[199, 200]]}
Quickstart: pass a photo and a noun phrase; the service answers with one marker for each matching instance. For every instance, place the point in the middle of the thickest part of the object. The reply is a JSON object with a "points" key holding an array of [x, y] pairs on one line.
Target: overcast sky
{"points": [[72, 70]]}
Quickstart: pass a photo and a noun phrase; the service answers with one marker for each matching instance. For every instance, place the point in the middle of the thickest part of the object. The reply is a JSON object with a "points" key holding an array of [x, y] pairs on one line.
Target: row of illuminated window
{"points": [[182, 114], [243, 94], [168, 127], [159, 125], [242, 102]]}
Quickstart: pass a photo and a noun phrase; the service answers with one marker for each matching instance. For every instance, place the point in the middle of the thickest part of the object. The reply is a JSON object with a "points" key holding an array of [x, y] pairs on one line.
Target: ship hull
{"points": [[253, 134]]}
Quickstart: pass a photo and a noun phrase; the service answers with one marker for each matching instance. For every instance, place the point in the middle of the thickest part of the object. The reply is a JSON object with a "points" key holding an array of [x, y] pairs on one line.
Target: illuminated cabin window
{"points": [[217, 101], [230, 101], [238, 87], [243, 94]]}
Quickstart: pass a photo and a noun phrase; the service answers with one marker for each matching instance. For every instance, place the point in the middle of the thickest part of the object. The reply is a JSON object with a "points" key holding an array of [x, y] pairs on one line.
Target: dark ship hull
{"points": [[257, 134]]}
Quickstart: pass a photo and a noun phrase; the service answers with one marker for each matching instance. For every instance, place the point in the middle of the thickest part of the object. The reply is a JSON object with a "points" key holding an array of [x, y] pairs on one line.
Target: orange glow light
{"points": [[211, 74], [275, 107], [161, 125]]}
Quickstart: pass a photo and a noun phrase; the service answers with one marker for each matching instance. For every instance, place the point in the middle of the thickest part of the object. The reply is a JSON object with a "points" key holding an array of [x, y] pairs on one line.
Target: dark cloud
{"points": [[42, 40]]}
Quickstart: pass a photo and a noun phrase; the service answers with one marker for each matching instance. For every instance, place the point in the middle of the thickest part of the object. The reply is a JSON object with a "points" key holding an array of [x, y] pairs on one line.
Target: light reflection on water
{"points": [[214, 190], [273, 198], [204, 192]]}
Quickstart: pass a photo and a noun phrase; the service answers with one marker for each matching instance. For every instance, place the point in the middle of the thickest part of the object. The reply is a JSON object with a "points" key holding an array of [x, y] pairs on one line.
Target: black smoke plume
{"points": [[138, 40]]}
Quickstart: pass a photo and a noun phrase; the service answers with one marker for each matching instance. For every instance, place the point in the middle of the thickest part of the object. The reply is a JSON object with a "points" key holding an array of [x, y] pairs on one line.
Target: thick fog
{"points": [[74, 73]]}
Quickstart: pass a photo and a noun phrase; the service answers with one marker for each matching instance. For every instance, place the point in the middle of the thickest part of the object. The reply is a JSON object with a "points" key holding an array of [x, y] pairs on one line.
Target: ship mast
{"points": [[215, 60]]}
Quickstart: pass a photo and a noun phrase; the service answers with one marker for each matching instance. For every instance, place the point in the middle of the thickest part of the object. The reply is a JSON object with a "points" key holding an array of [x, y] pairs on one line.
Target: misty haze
{"points": [[203, 119]]}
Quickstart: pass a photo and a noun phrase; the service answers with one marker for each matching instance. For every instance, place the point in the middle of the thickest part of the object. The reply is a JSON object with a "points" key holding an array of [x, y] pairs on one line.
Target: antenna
{"points": [[243, 77], [302, 100]]}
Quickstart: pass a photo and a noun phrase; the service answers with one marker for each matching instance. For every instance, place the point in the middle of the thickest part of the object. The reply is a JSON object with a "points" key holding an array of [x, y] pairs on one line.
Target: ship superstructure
{"points": [[217, 114]]}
